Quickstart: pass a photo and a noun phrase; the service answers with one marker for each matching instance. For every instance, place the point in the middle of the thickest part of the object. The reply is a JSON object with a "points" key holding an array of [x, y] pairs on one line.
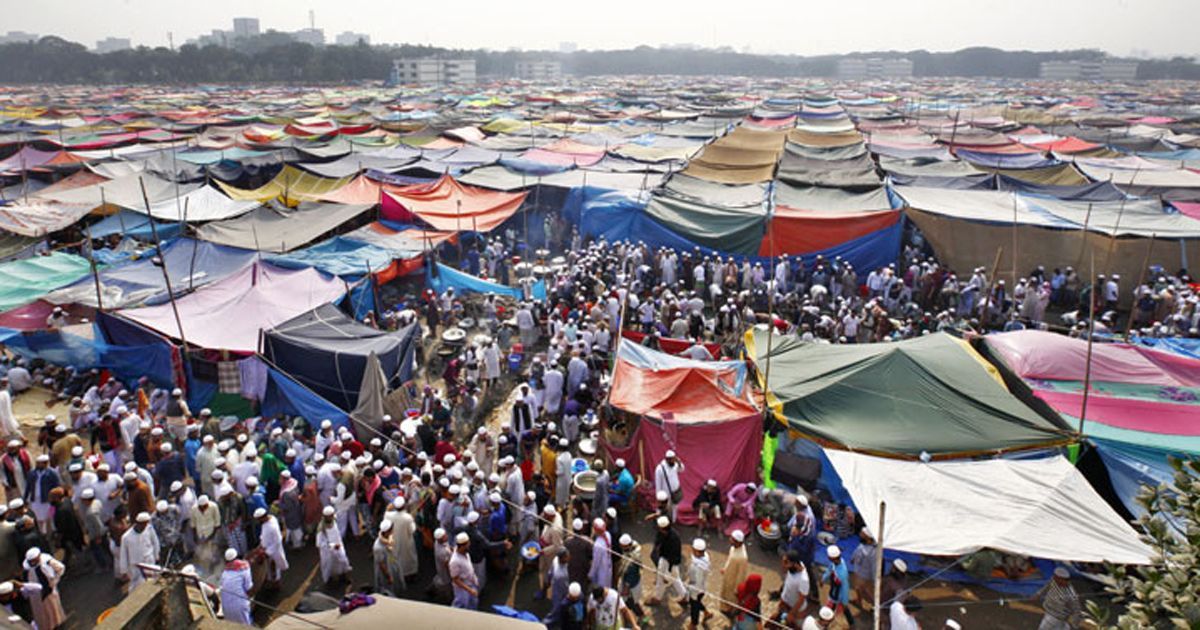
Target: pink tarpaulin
{"points": [[1034, 354], [229, 314], [1188, 208], [1128, 413], [725, 451]]}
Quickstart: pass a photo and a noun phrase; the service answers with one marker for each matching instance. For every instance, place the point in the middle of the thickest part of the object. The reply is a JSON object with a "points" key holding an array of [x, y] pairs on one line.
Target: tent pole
{"points": [[163, 260], [92, 259], [983, 321], [1112, 240], [879, 561], [1014, 244], [1140, 280], [1087, 369]]}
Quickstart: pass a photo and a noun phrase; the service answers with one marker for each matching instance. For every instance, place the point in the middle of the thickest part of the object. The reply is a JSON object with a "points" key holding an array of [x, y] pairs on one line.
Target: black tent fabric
{"points": [[327, 351]]}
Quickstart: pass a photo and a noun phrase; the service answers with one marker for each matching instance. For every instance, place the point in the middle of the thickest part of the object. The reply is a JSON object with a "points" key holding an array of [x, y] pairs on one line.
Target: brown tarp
{"points": [[744, 156], [963, 245], [1060, 175], [813, 139]]}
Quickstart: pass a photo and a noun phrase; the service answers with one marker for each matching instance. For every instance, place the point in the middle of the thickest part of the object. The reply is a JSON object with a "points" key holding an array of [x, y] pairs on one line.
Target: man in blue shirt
{"points": [[838, 577], [622, 490]]}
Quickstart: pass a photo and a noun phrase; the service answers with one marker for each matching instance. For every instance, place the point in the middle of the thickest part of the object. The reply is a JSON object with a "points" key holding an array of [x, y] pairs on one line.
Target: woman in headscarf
{"points": [[748, 615]]}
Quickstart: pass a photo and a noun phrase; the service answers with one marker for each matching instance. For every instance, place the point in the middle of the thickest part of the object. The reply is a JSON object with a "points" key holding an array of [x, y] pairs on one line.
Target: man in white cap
{"points": [[903, 614], [386, 579], [551, 539], [42, 568], [329, 543], [139, 544], [838, 577], [1060, 603], [666, 479], [42, 480], [667, 555], [206, 518], [443, 549], [823, 619], [483, 448], [697, 579], [462, 574], [16, 465], [270, 538], [236, 583], [562, 475], [403, 541], [600, 572], [178, 415], [90, 514], [735, 570], [206, 459], [8, 420]]}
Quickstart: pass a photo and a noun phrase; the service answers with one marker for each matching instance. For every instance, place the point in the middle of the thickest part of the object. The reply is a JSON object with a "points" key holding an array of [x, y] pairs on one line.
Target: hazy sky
{"points": [[1159, 27]]}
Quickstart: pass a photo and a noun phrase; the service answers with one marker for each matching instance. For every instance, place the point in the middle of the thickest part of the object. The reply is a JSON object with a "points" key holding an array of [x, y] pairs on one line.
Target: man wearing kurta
{"points": [[236, 583], [43, 569], [139, 544], [737, 567], [271, 541]]}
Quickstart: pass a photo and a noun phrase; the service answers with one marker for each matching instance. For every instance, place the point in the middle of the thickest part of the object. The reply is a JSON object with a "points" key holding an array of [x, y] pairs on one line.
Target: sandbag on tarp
{"points": [[931, 394], [1042, 508], [29, 279], [449, 278], [326, 351]]}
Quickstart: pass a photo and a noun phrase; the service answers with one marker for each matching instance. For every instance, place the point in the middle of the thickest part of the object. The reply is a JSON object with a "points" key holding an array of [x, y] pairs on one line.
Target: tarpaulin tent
{"points": [[130, 224], [29, 279], [229, 315], [37, 218], [341, 256], [285, 395], [1138, 395], [417, 615], [326, 351], [931, 394], [402, 241], [276, 228], [125, 192], [700, 409], [202, 204], [450, 278], [1042, 508], [189, 263], [744, 156], [291, 186], [450, 206], [734, 230]]}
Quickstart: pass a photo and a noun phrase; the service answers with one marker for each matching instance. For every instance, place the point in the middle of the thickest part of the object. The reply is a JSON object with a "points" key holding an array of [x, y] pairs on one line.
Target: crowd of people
{"points": [[132, 479]]}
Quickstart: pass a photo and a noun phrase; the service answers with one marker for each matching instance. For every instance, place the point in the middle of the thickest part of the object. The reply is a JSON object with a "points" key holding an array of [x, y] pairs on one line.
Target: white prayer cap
{"points": [[176, 392], [625, 540], [130, 476], [699, 544], [103, 467], [60, 428], [33, 554], [398, 503], [834, 552], [826, 613], [385, 526], [166, 447], [43, 458], [472, 516], [620, 463], [6, 587], [260, 512], [953, 625], [549, 510], [802, 499], [577, 524], [494, 497], [156, 431], [143, 517], [161, 506], [14, 443], [328, 511], [76, 451], [1062, 572], [252, 481], [230, 554], [575, 590], [208, 439], [16, 504], [661, 495], [439, 533], [326, 424], [203, 500], [663, 522], [76, 467], [291, 452], [462, 538], [738, 535], [670, 454], [87, 493], [176, 486]]}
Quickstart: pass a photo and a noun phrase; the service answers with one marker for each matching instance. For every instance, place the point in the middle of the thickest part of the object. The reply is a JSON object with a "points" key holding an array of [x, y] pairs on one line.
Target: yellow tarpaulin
{"points": [[291, 185]]}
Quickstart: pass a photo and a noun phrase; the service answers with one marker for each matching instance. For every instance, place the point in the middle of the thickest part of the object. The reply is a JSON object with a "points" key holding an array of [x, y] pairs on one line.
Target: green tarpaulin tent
{"points": [[29, 279], [932, 394]]}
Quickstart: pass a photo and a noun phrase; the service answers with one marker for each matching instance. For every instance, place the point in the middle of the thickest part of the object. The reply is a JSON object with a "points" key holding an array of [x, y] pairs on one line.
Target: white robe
{"points": [[137, 548], [271, 540], [333, 553], [8, 421], [554, 391], [404, 546], [491, 362], [235, 594]]}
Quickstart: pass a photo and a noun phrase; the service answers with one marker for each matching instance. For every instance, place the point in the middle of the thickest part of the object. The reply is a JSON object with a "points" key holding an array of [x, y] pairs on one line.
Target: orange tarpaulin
{"points": [[450, 206], [680, 391], [794, 231]]}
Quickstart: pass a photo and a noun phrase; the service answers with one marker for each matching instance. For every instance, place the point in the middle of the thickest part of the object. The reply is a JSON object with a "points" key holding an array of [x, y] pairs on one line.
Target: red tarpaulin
{"points": [[671, 346], [725, 451], [450, 206], [795, 231], [685, 395]]}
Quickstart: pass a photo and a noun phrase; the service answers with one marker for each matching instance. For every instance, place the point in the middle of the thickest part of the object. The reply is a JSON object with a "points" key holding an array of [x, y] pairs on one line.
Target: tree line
{"points": [[273, 58]]}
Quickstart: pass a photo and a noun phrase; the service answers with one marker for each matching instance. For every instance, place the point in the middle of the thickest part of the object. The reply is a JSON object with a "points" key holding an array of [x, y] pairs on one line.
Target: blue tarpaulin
{"points": [[134, 225], [286, 396], [448, 277], [1131, 466], [338, 256], [1178, 345], [128, 362]]}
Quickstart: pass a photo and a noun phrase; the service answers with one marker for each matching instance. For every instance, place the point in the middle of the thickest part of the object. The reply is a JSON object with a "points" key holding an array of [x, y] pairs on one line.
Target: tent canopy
{"points": [[326, 350], [228, 315], [30, 278], [450, 206], [278, 229], [1042, 508], [667, 387], [933, 394]]}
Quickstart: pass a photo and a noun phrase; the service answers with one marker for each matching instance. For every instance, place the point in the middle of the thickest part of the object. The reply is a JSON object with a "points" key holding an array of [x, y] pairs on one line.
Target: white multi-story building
{"points": [[113, 44], [18, 37], [433, 71], [349, 38], [539, 70], [874, 67], [311, 36], [1080, 70], [245, 27]]}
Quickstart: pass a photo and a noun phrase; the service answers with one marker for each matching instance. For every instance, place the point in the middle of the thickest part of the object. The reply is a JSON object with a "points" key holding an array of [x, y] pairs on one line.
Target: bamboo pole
{"points": [[1087, 369], [879, 562], [163, 265], [1140, 280]]}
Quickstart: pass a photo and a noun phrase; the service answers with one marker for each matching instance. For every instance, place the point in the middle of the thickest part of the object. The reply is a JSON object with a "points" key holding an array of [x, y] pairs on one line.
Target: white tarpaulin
{"points": [[1042, 508]]}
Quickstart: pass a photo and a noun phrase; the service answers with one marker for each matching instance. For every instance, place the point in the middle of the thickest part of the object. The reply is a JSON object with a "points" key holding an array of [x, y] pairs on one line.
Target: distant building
{"points": [[567, 47], [311, 36], [539, 70], [245, 27], [18, 37], [433, 71], [217, 37], [351, 39], [874, 67], [113, 44], [1080, 70]]}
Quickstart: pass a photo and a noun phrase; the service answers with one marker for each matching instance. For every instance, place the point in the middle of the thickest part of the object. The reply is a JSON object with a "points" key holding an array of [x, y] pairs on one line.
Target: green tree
{"points": [[1165, 594]]}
